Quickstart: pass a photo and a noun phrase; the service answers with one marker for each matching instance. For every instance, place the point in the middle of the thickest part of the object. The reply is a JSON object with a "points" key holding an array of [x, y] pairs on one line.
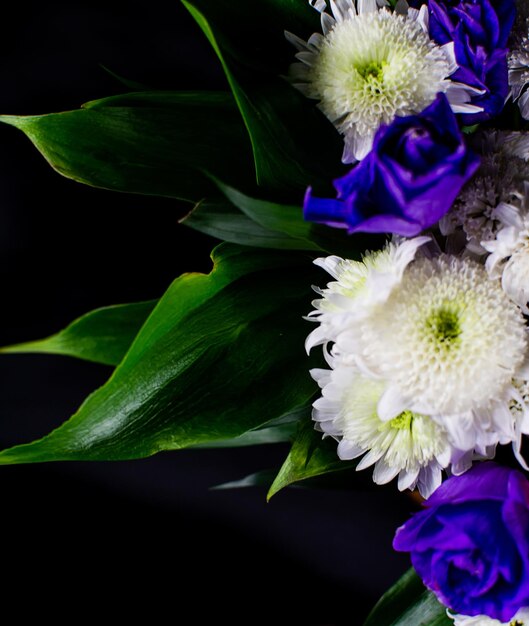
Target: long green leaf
{"points": [[294, 145], [407, 603], [289, 220], [220, 355], [286, 219], [309, 456], [156, 143], [103, 335], [224, 221]]}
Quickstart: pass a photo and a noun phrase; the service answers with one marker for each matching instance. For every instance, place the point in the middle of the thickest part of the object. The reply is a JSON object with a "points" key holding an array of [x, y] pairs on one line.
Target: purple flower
{"points": [[408, 181], [479, 30], [471, 544]]}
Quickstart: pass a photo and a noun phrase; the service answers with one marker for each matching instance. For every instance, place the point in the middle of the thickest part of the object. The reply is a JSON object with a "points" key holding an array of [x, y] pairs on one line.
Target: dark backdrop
{"points": [[149, 537]]}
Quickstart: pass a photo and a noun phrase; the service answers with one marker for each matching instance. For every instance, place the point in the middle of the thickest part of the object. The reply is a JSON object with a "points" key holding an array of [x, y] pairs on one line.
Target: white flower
{"points": [[443, 350], [358, 285], [500, 180], [411, 446], [518, 60], [520, 619], [509, 256], [447, 338], [371, 65]]}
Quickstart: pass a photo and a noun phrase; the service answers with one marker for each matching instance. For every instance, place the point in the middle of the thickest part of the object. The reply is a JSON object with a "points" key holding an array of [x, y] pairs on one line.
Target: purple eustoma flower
{"points": [[408, 181], [471, 543], [479, 30]]}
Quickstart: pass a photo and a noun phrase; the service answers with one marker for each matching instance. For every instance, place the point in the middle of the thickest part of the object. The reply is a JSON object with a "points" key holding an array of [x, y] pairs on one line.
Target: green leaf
{"points": [[408, 602], [310, 456], [220, 355], [103, 335], [288, 219], [127, 82], [156, 143], [294, 145], [222, 220], [258, 479], [277, 430], [279, 217]]}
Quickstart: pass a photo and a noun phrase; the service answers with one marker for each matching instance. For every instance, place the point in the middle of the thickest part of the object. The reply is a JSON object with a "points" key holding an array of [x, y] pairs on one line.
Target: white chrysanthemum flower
{"points": [[509, 258], [448, 340], [520, 619], [372, 64], [357, 286], [444, 345], [500, 180], [411, 446], [518, 60]]}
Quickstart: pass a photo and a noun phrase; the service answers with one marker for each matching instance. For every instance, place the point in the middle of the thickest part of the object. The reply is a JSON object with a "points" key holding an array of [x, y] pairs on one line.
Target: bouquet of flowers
{"points": [[375, 151]]}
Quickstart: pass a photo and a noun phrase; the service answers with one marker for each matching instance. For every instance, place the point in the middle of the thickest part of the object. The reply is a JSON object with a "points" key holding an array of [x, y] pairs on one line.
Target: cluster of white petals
{"points": [[426, 341], [490, 218], [520, 619], [500, 181], [518, 60], [427, 358], [371, 65]]}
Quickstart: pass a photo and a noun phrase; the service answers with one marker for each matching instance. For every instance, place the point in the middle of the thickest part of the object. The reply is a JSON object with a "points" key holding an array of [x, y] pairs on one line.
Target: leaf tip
{"points": [[13, 120]]}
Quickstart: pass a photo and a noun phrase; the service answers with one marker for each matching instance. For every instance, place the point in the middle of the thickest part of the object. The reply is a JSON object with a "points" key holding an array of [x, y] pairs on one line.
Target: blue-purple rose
{"points": [[479, 30], [471, 543], [407, 182]]}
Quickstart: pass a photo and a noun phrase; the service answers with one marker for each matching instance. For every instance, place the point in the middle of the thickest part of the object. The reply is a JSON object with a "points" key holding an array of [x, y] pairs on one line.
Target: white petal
{"points": [[408, 479], [384, 473], [316, 40], [319, 5], [336, 8], [463, 464], [429, 479], [370, 458], [307, 57], [509, 215], [450, 55], [444, 457], [391, 404], [327, 23], [523, 371], [348, 450], [422, 18], [515, 279], [366, 6], [517, 144], [461, 430], [329, 264], [296, 41], [357, 145], [321, 376], [316, 338], [516, 448], [523, 103], [467, 109]]}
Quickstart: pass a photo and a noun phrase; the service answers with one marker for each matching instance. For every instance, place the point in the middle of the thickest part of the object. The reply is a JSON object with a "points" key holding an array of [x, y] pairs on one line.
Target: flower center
{"points": [[404, 421], [448, 337], [443, 326], [372, 73]]}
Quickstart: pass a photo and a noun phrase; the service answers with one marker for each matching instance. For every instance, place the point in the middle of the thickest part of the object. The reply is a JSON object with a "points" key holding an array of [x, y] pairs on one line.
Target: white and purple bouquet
{"points": [[385, 144]]}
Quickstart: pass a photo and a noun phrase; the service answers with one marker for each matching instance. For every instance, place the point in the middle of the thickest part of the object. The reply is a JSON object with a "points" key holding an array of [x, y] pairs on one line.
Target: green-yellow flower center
{"points": [[403, 421], [443, 326]]}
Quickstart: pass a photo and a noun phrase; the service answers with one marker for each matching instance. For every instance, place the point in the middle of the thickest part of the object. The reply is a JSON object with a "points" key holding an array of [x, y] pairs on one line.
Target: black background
{"points": [[147, 537]]}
